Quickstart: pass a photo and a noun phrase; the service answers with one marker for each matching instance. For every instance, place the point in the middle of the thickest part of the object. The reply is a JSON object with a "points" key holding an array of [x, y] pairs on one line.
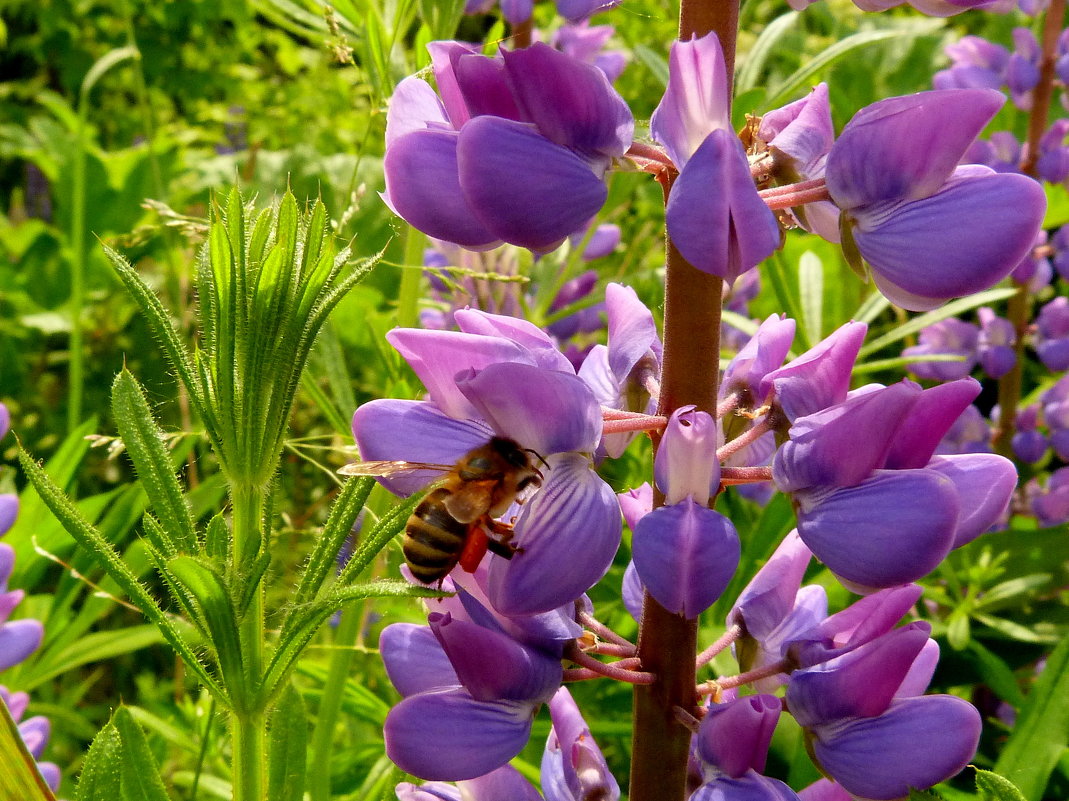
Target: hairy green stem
{"points": [[249, 738]]}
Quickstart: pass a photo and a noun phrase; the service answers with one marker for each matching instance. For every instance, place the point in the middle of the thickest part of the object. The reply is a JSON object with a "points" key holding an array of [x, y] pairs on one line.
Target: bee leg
{"points": [[501, 549]]}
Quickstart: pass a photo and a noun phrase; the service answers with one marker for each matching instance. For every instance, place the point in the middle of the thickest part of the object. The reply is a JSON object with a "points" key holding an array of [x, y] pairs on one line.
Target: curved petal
{"points": [[985, 483], [414, 431], [686, 555], [444, 57], [964, 230], [764, 352], [686, 463], [415, 660], [482, 83], [931, 416], [470, 738], [891, 529], [771, 593], [9, 512], [632, 331], [495, 159], [573, 766], [750, 787], [572, 103], [917, 743], [724, 232], [423, 186], [548, 411], [19, 639], [540, 347], [567, 534], [505, 783], [905, 148], [431, 791], [413, 105], [735, 736]]}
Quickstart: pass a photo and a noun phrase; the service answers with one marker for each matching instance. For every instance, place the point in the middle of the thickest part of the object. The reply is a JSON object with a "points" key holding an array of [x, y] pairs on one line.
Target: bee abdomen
{"points": [[433, 539]]}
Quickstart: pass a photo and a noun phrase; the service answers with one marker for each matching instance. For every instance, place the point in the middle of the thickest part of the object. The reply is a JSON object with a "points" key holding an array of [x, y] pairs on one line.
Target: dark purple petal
{"points": [[423, 186], [734, 736], [905, 148], [685, 555], [725, 232], [568, 534], [444, 56], [573, 766], [449, 736], [891, 529], [751, 787], [482, 83], [572, 103], [802, 131], [548, 411], [917, 743], [496, 160], [19, 639], [985, 483], [414, 431], [414, 659], [504, 784], [932, 415]]}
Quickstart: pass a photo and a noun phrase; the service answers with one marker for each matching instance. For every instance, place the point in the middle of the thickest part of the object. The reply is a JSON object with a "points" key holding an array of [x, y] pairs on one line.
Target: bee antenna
{"points": [[536, 453]]}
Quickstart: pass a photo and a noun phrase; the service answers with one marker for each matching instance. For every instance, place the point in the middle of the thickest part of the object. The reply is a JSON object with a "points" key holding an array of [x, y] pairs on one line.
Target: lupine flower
{"points": [[457, 166], [1050, 503], [731, 230], [995, 343], [930, 230], [873, 503], [503, 376], [586, 42], [949, 337], [1052, 335], [573, 767], [684, 552], [1056, 413], [970, 433], [977, 64], [517, 12], [1029, 444], [1022, 70], [1053, 163]]}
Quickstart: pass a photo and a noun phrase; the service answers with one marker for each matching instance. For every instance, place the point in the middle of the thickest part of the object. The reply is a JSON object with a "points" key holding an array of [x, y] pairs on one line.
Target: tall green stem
{"points": [[667, 643], [408, 293]]}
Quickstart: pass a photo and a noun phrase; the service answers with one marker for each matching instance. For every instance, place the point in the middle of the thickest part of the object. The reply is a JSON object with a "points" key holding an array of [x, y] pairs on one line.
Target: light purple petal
{"points": [[413, 105], [542, 351], [504, 784], [891, 529], [934, 412], [414, 659], [19, 639], [695, 102], [985, 483], [5, 420], [496, 161], [686, 463], [802, 130], [735, 736], [636, 503], [470, 738], [917, 743], [423, 186], [573, 766], [770, 595], [632, 592], [568, 534], [548, 411], [764, 352], [750, 787], [685, 555], [632, 332], [9, 511], [444, 56], [430, 791], [34, 733]]}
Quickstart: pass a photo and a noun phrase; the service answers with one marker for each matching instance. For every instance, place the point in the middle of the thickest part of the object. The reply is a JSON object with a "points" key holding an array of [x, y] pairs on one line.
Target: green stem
{"points": [[77, 301], [411, 273], [249, 737], [330, 704]]}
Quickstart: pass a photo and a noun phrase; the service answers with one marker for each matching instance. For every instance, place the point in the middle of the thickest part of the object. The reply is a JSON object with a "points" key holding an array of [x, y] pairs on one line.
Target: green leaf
{"points": [[91, 539], [1042, 730], [140, 777], [19, 777], [144, 442], [217, 540], [811, 291], [997, 675], [993, 787], [101, 776], [657, 63], [288, 744], [105, 63], [761, 49]]}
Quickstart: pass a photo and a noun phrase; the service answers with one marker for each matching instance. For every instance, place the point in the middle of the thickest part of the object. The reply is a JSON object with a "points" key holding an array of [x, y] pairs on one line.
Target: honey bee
{"points": [[454, 522]]}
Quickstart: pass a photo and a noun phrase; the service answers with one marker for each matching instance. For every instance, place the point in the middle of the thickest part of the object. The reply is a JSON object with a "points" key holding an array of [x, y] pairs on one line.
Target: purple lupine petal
{"points": [[632, 331], [574, 10], [985, 483], [932, 415], [685, 555], [16, 702], [493, 666], [636, 503], [695, 103], [602, 242], [801, 130], [750, 787], [573, 767], [632, 593], [430, 791], [843, 444], [8, 601], [917, 743], [7, 559], [905, 148], [860, 683], [979, 248], [470, 738], [504, 784], [686, 463], [51, 774], [485, 88], [824, 790], [19, 639], [735, 736], [818, 378], [34, 733], [863, 621], [548, 411], [444, 56], [414, 431], [726, 232], [423, 186], [891, 529], [764, 352], [950, 337], [920, 672], [540, 347], [491, 156], [413, 105], [414, 659], [771, 593], [517, 12], [572, 103], [5, 420], [568, 534]]}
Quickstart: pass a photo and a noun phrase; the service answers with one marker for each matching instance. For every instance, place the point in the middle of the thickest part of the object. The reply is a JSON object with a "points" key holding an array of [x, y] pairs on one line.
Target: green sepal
{"points": [[101, 776], [288, 747], [19, 777], [140, 776], [993, 787], [144, 442], [850, 250], [208, 592], [112, 563], [247, 582]]}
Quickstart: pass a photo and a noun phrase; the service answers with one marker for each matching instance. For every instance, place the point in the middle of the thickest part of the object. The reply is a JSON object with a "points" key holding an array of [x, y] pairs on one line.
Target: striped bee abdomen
{"points": [[433, 538]]}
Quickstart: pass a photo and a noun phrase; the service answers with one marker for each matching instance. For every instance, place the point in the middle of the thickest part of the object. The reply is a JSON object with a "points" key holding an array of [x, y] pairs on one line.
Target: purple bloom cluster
{"points": [[516, 12], [991, 344]]}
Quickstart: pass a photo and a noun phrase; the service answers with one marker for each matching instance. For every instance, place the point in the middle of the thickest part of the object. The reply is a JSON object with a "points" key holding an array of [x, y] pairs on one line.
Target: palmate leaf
{"points": [[19, 777]]}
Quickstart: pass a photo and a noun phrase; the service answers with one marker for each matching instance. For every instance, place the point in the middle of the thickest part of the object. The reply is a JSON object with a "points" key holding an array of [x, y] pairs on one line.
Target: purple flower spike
{"points": [[9, 510], [734, 736], [765, 352], [573, 767], [686, 464], [950, 337], [685, 555], [1052, 334], [995, 344]]}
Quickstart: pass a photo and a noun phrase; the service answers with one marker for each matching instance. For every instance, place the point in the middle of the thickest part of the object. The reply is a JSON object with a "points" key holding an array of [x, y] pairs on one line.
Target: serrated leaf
{"points": [[19, 777], [101, 776], [144, 443], [217, 540], [1040, 735], [288, 744], [993, 787], [140, 776]]}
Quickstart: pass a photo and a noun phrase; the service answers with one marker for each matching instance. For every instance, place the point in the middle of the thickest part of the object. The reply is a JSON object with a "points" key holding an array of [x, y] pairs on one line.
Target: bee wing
{"points": [[390, 468], [471, 501]]}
